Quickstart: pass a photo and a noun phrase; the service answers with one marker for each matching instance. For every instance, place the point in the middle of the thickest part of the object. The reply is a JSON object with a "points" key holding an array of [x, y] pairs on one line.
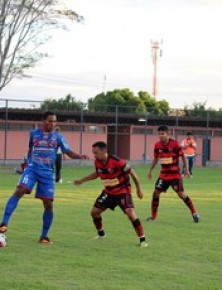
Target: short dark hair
{"points": [[163, 128], [48, 113], [189, 134], [100, 144]]}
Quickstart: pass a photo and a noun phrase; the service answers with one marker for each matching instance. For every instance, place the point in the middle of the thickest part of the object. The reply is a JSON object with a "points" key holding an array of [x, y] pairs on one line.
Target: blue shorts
{"points": [[44, 180]]}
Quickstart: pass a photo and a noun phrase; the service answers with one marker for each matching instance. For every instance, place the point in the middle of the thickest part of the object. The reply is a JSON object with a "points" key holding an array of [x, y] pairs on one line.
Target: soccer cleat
{"points": [[3, 228], [100, 237], [101, 234], [196, 217], [143, 244], [151, 219], [45, 241]]}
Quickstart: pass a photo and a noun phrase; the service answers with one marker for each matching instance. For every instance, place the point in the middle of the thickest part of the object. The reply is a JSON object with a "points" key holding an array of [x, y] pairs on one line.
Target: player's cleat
{"points": [[101, 234], [143, 244], [98, 237], [45, 241], [196, 217], [3, 228], [151, 219]]}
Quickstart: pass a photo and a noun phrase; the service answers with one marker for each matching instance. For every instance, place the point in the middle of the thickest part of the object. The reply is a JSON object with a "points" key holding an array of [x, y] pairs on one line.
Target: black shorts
{"points": [[163, 184], [106, 200]]}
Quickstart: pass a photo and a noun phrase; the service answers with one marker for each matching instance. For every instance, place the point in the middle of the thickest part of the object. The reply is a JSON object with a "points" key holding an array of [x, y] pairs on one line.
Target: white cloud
{"points": [[115, 41]]}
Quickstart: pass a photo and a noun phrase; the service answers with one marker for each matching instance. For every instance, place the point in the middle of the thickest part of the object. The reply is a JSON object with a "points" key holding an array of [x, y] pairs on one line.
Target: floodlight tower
{"points": [[156, 53]]}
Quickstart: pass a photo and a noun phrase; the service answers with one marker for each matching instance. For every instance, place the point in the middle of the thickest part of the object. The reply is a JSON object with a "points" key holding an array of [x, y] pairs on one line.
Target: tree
{"points": [[199, 109], [23, 26], [152, 106], [196, 109], [127, 102], [68, 103], [123, 98], [163, 108]]}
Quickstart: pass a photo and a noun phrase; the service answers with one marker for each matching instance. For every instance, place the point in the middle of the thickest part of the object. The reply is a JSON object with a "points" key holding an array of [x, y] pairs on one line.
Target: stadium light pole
{"points": [[144, 120], [156, 53]]}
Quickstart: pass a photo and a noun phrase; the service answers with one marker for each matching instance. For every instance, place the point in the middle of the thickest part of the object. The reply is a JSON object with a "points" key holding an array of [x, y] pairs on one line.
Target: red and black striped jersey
{"points": [[114, 175], [168, 155]]}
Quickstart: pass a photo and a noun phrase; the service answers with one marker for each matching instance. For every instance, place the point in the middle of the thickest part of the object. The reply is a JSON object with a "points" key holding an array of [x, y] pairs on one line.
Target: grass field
{"points": [[181, 254]]}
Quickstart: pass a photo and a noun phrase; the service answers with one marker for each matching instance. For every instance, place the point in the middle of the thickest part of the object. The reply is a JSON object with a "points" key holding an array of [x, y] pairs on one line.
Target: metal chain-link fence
{"points": [[129, 132]]}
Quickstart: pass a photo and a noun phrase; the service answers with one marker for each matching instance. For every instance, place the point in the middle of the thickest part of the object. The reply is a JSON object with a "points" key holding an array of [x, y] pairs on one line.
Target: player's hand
{"points": [[149, 176], [84, 157], [77, 182], [139, 193], [187, 174]]}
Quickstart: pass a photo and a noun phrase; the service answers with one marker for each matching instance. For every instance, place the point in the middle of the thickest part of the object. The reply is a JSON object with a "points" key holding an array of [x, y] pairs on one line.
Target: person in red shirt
{"points": [[115, 175], [168, 152]]}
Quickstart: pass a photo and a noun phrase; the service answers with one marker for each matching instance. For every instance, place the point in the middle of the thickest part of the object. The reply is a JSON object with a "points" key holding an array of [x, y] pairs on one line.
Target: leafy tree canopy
{"points": [[23, 27], [127, 102], [68, 103], [200, 109]]}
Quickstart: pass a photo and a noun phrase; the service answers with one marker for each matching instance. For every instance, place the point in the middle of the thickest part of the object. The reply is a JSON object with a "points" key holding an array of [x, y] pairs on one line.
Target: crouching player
{"points": [[115, 175]]}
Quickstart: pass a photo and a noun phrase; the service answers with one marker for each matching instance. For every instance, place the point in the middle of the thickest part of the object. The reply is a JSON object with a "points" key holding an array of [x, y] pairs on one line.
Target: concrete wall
{"points": [[216, 149], [130, 144]]}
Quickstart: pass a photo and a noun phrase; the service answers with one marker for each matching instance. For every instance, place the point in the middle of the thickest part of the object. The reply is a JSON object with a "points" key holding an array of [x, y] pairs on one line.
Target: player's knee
{"points": [[48, 205], [20, 192], [95, 213], [156, 194], [182, 195]]}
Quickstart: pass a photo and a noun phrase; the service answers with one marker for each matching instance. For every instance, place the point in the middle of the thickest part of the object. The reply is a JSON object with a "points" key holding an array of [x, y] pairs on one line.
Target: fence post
{"points": [[6, 132], [145, 121], [116, 130], [206, 147], [81, 130], [81, 133], [176, 123]]}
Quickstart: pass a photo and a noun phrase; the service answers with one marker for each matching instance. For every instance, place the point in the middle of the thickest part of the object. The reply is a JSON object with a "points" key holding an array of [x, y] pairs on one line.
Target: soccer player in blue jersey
{"points": [[43, 144]]}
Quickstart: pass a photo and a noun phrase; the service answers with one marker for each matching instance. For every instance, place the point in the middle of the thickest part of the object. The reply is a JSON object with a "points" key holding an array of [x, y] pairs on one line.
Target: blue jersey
{"points": [[44, 146]]}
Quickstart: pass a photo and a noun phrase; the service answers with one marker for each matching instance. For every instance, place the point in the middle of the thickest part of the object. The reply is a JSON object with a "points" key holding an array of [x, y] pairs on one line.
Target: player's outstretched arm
{"points": [[137, 183], [85, 179], [74, 155]]}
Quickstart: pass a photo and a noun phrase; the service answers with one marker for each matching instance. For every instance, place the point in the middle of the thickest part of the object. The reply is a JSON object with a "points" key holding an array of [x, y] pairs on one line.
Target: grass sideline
{"points": [[181, 254]]}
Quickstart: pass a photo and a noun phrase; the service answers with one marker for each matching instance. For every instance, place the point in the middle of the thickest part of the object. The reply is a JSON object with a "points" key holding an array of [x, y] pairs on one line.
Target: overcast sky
{"points": [[114, 41]]}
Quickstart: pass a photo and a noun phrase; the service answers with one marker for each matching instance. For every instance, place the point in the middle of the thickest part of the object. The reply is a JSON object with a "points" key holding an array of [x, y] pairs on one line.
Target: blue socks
{"points": [[9, 208], [47, 222]]}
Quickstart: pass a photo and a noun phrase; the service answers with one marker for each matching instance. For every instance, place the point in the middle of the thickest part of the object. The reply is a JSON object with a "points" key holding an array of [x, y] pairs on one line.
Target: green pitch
{"points": [[181, 254]]}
